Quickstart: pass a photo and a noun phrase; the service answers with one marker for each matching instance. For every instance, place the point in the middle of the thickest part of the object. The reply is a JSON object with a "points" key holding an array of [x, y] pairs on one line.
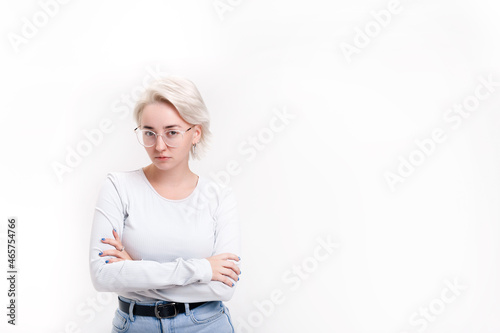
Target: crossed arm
{"points": [[222, 268], [212, 278]]}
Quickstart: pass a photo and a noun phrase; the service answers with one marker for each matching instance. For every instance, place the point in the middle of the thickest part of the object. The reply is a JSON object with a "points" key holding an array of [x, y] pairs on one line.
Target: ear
{"points": [[197, 133]]}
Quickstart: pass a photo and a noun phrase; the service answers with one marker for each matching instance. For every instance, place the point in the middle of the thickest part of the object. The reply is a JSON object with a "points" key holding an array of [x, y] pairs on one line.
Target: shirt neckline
{"points": [[141, 171]]}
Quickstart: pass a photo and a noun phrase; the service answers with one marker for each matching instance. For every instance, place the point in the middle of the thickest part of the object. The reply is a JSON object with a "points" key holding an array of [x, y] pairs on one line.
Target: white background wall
{"points": [[365, 85]]}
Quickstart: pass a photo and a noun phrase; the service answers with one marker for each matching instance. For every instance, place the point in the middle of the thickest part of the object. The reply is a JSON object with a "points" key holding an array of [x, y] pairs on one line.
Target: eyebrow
{"points": [[165, 127]]}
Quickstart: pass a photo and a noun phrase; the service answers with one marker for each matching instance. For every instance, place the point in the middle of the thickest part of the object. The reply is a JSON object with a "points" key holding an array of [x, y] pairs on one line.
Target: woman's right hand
{"points": [[223, 269]]}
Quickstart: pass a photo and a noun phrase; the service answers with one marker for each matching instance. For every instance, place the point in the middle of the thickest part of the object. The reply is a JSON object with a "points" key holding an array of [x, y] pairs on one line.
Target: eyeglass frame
{"points": [[162, 136]]}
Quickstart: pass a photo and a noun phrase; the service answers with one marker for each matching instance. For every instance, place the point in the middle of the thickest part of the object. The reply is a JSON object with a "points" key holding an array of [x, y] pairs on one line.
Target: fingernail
{"points": [[107, 261], [100, 253], [114, 229], [238, 278], [232, 285], [240, 271], [239, 258], [103, 239]]}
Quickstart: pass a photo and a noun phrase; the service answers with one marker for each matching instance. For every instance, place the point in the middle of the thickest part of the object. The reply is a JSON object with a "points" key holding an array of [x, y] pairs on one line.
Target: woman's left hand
{"points": [[119, 252]]}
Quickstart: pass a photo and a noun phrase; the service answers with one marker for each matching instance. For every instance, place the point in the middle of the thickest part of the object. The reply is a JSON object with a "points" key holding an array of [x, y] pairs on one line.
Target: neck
{"points": [[172, 177]]}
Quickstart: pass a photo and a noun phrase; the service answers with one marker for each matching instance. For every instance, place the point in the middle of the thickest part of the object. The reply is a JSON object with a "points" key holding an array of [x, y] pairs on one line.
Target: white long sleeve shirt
{"points": [[169, 240]]}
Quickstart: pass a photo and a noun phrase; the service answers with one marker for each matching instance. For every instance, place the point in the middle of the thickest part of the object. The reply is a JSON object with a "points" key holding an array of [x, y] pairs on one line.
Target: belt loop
{"points": [[188, 311], [131, 310]]}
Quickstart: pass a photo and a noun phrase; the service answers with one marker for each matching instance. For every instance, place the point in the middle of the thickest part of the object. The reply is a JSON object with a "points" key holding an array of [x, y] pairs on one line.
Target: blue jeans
{"points": [[210, 317]]}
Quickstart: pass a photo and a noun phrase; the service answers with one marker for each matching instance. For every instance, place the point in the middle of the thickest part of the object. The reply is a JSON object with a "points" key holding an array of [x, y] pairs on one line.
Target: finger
{"points": [[231, 256], [230, 273], [112, 242], [122, 255], [115, 234], [232, 265], [224, 279], [228, 282], [114, 253], [112, 260]]}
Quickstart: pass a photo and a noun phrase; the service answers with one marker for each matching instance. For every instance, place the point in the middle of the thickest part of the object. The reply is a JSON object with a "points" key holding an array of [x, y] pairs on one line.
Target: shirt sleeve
{"points": [[133, 275], [227, 240]]}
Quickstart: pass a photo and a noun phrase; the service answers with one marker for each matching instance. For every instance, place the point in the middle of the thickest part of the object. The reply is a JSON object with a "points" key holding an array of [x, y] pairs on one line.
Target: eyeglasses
{"points": [[148, 138]]}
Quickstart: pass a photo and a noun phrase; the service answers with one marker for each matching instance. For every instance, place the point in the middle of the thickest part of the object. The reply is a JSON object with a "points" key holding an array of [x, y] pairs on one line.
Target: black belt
{"points": [[159, 311]]}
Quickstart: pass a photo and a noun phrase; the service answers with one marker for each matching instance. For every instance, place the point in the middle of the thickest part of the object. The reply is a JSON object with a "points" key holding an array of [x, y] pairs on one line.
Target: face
{"points": [[156, 117]]}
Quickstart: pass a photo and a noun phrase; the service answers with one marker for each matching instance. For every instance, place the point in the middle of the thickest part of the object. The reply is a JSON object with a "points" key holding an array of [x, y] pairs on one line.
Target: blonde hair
{"points": [[185, 97]]}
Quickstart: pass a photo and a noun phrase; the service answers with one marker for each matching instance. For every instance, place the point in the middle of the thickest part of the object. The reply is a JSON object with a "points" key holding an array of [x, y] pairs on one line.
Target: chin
{"points": [[161, 165]]}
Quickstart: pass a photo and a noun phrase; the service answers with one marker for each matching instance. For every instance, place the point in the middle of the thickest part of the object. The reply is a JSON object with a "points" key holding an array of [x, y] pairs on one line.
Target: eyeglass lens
{"points": [[171, 138]]}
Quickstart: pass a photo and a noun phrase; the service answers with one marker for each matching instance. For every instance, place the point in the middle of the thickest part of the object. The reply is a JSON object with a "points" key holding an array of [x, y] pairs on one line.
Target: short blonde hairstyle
{"points": [[185, 97]]}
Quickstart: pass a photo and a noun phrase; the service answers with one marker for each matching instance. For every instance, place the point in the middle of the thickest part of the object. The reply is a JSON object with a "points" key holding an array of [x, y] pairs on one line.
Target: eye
{"points": [[172, 133], [149, 133]]}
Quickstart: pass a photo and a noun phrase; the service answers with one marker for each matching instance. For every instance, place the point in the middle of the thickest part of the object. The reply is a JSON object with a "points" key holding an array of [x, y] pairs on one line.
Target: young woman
{"points": [[166, 240]]}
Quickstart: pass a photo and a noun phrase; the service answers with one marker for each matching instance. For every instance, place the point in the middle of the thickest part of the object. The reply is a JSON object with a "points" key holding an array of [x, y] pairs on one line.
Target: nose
{"points": [[160, 144]]}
